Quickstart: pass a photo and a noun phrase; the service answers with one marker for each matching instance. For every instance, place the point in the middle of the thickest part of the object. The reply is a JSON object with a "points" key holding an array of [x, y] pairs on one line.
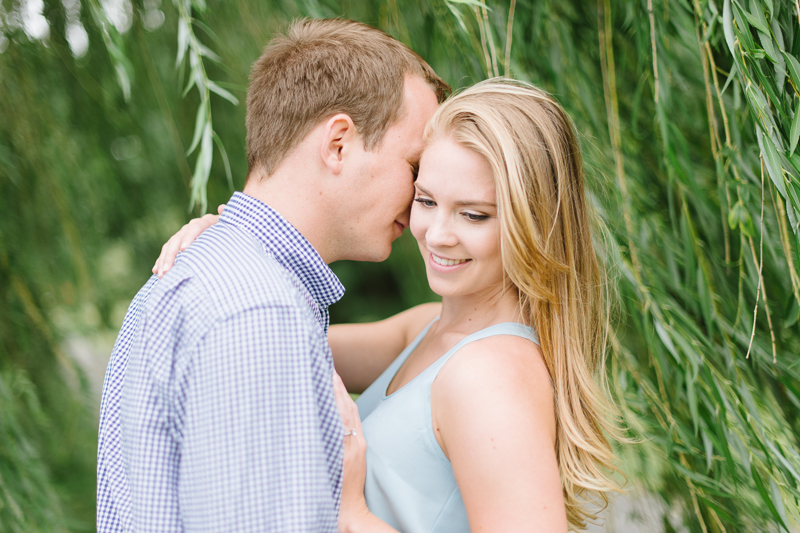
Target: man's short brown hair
{"points": [[320, 68]]}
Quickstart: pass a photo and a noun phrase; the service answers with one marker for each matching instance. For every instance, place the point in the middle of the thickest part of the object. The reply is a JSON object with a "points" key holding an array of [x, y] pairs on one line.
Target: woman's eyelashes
{"points": [[475, 217], [472, 217]]}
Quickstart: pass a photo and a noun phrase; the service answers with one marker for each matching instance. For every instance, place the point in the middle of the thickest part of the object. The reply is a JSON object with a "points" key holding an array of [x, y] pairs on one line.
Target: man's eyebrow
{"points": [[477, 203]]}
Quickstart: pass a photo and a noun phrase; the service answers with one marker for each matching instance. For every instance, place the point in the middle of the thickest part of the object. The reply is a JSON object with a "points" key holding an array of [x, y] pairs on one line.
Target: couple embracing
{"points": [[221, 407]]}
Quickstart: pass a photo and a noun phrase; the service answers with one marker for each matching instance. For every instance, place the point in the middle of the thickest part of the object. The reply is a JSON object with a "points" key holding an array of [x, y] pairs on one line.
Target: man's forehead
{"points": [[415, 151], [419, 100], [420, 103]]}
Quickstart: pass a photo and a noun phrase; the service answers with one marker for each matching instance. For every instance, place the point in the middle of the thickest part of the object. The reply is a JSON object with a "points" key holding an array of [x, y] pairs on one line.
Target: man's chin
{"points": [[376, 254], [380, 258]]}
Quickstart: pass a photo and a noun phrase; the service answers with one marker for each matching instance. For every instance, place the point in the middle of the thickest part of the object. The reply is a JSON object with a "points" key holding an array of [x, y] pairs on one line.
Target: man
{"points": [[218, 411]]}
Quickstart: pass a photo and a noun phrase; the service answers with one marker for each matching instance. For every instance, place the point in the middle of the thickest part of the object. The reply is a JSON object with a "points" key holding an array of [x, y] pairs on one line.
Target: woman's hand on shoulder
{"points": [[181, 240], [493, 412]]}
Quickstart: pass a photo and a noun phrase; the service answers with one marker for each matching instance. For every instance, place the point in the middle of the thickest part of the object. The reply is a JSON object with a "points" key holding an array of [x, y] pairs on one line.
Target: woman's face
{"points": [[454, 219]]}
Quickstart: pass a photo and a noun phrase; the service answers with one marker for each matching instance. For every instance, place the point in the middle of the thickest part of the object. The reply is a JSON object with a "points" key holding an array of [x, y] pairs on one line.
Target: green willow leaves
{"points": [[688, 111], [191, 49]]}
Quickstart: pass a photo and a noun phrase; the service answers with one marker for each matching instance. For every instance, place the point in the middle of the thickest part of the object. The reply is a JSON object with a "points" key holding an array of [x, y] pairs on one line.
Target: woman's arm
{"points": [[493, 414], [361, 352]]}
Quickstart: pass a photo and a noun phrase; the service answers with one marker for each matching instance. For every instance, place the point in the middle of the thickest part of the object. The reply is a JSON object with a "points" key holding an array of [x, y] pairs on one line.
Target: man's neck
{"points": [[298, 201]]}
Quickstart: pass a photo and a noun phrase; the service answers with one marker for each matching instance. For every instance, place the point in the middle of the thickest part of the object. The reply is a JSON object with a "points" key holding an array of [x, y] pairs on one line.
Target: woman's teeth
{"points": [[447, 262]]}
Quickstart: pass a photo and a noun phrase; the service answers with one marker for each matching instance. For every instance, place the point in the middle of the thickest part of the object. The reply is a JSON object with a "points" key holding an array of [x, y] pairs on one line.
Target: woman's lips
{"points": [[450, 265]]}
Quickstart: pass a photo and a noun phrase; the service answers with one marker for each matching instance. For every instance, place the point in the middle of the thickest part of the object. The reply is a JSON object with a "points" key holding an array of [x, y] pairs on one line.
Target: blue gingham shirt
{"points": [[218, 411]]}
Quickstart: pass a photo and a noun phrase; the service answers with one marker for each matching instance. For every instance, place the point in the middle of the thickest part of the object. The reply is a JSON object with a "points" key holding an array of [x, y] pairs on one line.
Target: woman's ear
{"points": [[337, 140]]}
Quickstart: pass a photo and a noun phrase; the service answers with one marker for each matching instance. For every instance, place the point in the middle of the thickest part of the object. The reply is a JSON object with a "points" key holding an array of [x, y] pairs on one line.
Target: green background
{"points": [[669, 98]]}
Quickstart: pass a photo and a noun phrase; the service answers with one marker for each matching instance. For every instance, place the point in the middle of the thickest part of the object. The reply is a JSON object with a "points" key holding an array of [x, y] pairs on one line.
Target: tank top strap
{"points": [[504, 328], [390, 372]]}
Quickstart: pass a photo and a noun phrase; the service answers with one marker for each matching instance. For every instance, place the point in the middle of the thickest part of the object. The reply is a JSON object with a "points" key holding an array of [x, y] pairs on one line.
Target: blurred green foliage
{"points": [[677, 102]]}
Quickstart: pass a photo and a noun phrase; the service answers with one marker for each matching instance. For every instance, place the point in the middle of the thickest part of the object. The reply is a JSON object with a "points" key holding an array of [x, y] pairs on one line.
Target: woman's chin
{"points": [[444, 289]]}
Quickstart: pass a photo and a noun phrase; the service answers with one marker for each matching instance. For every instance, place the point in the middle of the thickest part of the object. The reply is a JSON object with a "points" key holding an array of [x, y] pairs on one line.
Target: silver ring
{"points": [[352, 433]]}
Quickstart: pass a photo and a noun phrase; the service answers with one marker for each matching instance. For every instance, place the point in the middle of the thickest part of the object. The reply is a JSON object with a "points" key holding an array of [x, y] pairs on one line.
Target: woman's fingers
{"points": [[357, 442], [354, 444], [354, 465], [344, 403], [194, 228], [349, 413], [339, 395], [169, 252], [181, 240]]}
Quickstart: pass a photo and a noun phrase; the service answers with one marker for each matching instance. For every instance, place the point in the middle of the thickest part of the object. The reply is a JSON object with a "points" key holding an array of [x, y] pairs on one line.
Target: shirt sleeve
{"points": [[252, 450], [113, 496]]}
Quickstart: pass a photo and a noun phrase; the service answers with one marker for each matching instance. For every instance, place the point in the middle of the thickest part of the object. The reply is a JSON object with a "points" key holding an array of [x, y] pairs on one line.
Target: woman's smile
{"points": [[445, 265]]}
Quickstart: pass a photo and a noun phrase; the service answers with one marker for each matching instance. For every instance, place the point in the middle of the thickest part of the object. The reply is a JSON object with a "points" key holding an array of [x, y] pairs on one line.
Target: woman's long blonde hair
{"points": [[549, 257]]}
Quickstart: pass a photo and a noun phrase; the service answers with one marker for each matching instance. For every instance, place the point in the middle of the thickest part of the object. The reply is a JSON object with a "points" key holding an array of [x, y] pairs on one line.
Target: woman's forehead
{"points": [[475, 189]]}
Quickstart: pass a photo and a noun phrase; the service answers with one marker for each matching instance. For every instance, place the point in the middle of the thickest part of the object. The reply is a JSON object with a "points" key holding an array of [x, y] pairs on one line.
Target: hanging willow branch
{"points": [[192, 50]]}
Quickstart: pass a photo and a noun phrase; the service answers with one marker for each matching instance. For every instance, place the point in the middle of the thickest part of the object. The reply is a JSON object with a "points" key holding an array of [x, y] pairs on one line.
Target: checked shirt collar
{"points": [[287, 245]]}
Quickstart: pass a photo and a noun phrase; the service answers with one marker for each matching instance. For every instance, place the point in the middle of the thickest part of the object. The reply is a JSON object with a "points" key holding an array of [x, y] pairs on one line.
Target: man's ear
{"points": [[338, 136]]}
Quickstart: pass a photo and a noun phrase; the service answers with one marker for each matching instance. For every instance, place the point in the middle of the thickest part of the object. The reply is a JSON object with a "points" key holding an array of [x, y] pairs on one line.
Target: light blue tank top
{"points": [[410, 482]]}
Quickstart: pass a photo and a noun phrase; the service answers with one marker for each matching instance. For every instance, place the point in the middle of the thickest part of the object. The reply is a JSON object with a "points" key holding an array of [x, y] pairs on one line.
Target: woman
{"points": [[490, 419]]}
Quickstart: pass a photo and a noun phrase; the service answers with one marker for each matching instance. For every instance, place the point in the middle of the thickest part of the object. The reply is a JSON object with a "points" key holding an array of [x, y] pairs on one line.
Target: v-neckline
{"points": [[416, 343]]}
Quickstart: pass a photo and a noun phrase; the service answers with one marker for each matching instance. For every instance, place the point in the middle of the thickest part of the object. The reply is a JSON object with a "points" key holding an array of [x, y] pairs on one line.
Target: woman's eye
{"points": [[426, 202], [474, 217]]}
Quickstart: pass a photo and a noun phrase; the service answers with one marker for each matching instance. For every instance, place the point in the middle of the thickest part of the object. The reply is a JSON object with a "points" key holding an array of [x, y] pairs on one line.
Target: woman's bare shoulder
{"points": [[506, 370], [499, 357]]}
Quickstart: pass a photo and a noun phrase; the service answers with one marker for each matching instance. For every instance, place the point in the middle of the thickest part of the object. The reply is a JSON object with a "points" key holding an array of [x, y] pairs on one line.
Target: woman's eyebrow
{"points": [[422, 189], [481, 203]]}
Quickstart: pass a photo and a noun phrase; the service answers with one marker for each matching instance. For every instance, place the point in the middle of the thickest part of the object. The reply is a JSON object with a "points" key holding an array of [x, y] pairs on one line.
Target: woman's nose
{"points": [[440, 232]]}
